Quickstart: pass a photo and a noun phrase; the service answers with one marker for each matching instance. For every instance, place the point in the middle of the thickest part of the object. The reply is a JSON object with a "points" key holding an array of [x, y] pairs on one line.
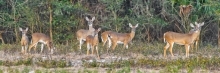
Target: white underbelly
{"points": [[119, 42], [41, 41]]}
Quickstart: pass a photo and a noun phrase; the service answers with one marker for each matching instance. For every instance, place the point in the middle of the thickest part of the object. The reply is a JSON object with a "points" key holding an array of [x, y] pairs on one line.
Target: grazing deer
{"points": [[24, 40], [121, 38], [182, 39], [42, 38], [1, 38], [92, 42], [82, 33]]}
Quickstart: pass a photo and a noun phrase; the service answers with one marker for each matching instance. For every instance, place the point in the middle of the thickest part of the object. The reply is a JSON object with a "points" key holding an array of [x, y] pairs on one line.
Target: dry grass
{"points": [[138, 56]]}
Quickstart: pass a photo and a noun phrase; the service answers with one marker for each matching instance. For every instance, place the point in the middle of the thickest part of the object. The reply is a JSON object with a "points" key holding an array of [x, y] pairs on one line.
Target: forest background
{"points": [[62, 18]]}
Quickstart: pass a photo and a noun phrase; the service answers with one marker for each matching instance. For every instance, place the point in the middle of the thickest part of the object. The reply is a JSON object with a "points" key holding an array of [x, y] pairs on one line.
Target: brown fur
{"points": [[181, 39], [125, 38], [39, 37], [24, 40], [104, 36], [92, 42], [185, 10], [82, 33]]}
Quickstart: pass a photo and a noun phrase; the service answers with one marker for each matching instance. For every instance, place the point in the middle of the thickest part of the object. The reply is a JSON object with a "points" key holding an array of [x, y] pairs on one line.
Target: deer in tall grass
{"points": [[43, 39], [115, 38], [182, 39], [82, 33], [92, 42], [24, 40], [1, 38]]}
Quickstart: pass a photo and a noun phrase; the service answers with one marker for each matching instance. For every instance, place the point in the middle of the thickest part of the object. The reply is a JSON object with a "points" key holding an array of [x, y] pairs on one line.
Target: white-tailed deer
{"points": [[24, 40], [121, 38], [42, 38], [82, 33], [196, 40], [1, 38], [92, 42], [181, 38]]}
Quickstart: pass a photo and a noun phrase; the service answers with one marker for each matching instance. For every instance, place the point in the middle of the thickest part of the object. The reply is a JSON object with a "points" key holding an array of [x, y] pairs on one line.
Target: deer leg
{"points": [[25, 51], [93, 50], [3, 41], [88, 47], [125, 45], [42, 47], [80, 43], [109, 42], [165, 48], [22, 49], [104, 41], [33, 44], [97, 51], [171, 47], [114, 45], [187, 50], [49, 48], [196, 45]]}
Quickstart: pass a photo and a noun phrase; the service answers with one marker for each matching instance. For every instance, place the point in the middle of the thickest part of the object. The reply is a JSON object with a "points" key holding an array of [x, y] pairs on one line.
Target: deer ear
{"points": [[93, 18], [191, 25], [99, 29], [20, 28], [27, 29], [87, 18], [130, 25], [197, 24], [136, 25], [202, 24]]}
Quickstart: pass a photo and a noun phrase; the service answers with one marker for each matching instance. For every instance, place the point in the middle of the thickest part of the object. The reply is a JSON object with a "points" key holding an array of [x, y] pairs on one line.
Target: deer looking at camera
{"points": [[24, 40], [92, 42], [82, 33], [115, 38], [41, 38], [196, 40], [182, 39]]}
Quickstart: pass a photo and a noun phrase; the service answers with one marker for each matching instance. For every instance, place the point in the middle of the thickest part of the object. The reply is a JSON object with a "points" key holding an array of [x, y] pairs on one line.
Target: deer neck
{"points": [[96, 37], [24, 36], [195, 34], [131, 35], [91, 28]]}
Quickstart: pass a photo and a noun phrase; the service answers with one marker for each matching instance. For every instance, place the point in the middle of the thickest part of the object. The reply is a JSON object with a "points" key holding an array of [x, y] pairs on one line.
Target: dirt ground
{"points": [[76, 62]]}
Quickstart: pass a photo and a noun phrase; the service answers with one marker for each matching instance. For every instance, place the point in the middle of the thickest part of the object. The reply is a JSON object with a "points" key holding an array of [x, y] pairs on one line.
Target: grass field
{"points": [[139, 58]]}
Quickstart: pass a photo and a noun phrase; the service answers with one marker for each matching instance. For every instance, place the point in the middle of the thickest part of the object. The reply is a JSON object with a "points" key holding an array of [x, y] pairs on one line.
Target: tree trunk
{"points": [[50, 21]]}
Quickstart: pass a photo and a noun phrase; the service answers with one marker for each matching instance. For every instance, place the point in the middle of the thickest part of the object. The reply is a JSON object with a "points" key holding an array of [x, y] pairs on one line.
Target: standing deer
{"points": [[121, 38], [92, 42], [181, 38], [196, 40], [24, 40], [42, 38], [1, 38], [82, 33]]}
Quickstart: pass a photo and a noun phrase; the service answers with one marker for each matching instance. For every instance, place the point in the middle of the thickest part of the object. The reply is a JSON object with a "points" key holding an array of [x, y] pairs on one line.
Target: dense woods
{"points": [[62, 18]]}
